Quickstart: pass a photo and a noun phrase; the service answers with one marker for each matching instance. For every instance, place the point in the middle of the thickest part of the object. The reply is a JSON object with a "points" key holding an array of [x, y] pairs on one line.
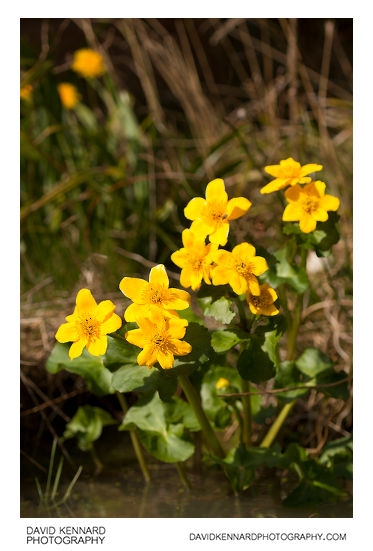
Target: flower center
{"points": [[216, 212], [160, 341], [256, 301], [310, 205], [89, 326], [154, 295], [244, 269]]}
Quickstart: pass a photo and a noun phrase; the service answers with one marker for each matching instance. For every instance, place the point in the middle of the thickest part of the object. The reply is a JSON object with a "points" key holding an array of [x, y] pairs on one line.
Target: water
{"points": [[122, 493]]}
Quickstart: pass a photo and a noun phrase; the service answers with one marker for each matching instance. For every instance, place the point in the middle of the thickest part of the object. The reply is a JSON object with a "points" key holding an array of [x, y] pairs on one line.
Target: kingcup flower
{"points": [[211, 216], [288, 173], [194, 259], [88, 63], [69, 95], [263, 303], [309, 205], [160, 339], [239, 268], [26, 92], [88, 325], [222, 383], [154, 295]]}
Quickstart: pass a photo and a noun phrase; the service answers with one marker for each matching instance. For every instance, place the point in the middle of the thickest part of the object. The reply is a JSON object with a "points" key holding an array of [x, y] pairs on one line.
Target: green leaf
{"points": [[217, 408], [159, 434], [87, 424], [284, 272], [91, 368], [218, 309], [330, 376], [312, 362], [238, 469], [138, 378], [322, 239], [288, 376], [120, 351], [254, 364], [338, 456], [191, 316], [222, 341]]}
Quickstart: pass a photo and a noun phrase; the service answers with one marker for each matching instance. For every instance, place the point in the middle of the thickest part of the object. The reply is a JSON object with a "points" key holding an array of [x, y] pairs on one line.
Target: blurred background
{"points": [[104, 179]]}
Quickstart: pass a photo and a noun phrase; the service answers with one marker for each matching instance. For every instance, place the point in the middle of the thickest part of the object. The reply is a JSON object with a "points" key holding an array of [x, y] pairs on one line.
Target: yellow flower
{"points": [[288, 173], [160, 339], [222, 384], [211, 216], [309, 205], [26, 92], [195, 259], [263, 304], [239, 268], [88, 63], [69, 95], [152, 295], [89, 325]]}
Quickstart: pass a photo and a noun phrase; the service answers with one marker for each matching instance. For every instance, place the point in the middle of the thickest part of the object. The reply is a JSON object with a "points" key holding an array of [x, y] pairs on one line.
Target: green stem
{"points": [[239, 420], [247, 416], [194, 400], [291, 345], [273, 431], [183, 476], [135, 441]]}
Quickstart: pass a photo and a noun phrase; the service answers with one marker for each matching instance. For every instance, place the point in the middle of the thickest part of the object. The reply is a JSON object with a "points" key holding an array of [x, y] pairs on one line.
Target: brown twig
{"points": [[278, 390]]}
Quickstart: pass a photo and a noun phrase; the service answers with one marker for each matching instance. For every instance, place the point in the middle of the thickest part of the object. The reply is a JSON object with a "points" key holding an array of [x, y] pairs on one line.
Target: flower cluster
{"points": [[154, 310], [307, 205], [88, 63], [69, 95], [199, 261]]}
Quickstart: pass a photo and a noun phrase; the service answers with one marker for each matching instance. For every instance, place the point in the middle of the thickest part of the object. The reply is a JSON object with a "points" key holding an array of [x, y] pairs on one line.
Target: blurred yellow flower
{"points": [[288, 173], [239, 268], [309, 205], [152, 295], [89, 325], [194, 259], [222, 383], [26, 92], [211, 216], [69, 95], [263, 304], [88, 63], [160, 339]]}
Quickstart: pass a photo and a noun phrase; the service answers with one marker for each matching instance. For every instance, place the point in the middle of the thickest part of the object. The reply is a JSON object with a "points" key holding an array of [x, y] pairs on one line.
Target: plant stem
{"points": [[194, 400], [135, 441], [275, 427], [183, 476], [291, 345], [247, 416]]}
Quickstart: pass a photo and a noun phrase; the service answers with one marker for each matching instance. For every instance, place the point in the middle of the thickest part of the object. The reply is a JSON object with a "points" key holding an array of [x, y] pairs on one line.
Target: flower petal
{"points": [[177, 327], [194, 208], [329, 202], [316, 188], [147, 356], [273, 170], [180, 257], [165, 359], [320, 215], [292, 213], [188, 238], [307, 169], [202, 227], [237, 207], [104, 310], [67, 332], [244, 251], [158, 276], [137, 337], [176, 300], [133, 288], [220, 275], [259, 265], [293, 193], [180, 348], [307, 223], [253, 285], [238, 283], [220, 236], [275, 185], [215, 191], [135, 311], [76, 348], [185, 277], [85, 301], [98, 346], [112, 324]]}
